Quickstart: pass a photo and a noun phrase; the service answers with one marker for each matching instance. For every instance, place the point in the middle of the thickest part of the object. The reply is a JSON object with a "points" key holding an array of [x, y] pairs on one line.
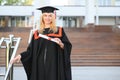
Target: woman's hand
{"points": [[59, 42], [16, 59]]}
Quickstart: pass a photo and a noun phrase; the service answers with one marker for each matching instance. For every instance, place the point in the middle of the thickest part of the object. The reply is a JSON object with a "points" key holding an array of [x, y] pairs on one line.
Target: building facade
{"points": [[72, 13]]}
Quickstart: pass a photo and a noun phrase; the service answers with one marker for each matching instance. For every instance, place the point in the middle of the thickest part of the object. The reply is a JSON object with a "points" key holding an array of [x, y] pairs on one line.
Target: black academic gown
{"points": [[45, 60]]}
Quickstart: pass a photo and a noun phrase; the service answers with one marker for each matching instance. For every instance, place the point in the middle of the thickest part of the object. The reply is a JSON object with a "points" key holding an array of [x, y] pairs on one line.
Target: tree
{"points": [[1, 1], [16, 2], [27, 2], [12, 2]]}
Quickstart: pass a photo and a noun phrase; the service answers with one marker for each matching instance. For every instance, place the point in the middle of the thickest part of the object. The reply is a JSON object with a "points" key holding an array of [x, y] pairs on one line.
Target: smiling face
{"points": [[47, 18]]}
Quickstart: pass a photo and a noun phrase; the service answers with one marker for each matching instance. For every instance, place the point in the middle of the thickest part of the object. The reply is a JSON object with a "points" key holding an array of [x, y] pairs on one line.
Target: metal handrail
{"points": [[1, 40], [10, 54], [7, 53], [13, 55]]}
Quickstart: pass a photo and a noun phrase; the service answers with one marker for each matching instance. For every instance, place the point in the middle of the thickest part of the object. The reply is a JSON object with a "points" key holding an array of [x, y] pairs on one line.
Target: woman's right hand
{"points": [[16, 59]]}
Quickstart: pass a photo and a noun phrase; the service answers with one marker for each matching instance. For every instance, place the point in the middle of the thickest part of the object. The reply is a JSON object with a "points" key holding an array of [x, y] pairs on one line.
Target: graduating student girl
{"points": [[45, 59]]}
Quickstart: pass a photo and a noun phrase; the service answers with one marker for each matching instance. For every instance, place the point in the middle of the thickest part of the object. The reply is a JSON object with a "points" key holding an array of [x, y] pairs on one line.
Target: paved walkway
{"points": [[78, 73]]}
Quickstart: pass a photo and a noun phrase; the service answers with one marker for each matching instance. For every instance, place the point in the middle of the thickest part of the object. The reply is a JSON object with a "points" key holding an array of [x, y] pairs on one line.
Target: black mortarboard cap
{"points": [[48, 9]]}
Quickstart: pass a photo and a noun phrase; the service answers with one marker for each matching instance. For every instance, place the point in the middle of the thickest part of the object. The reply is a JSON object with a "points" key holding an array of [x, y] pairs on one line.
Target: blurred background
{"points": [[93, 27]]}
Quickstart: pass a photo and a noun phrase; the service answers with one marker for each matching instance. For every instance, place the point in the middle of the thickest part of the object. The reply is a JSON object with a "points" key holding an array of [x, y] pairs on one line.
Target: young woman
{"points": [[44, 59]]}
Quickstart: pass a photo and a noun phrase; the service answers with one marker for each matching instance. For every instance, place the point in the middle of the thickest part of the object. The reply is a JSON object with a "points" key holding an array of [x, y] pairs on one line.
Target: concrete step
{"points": [[78, 73]]}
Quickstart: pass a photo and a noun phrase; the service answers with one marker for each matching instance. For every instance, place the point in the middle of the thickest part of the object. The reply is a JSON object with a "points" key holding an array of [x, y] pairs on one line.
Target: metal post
{"points": [[10, 54], [7, 55]]}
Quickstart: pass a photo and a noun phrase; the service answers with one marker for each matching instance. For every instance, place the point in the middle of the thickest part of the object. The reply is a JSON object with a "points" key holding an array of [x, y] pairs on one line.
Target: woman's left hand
{"points": [[59, 42]]}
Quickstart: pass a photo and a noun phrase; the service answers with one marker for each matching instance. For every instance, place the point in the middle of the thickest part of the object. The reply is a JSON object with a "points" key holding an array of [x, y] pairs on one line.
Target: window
{"points": [[2, 21], [117, 3], [69, 21], [105, 2]]}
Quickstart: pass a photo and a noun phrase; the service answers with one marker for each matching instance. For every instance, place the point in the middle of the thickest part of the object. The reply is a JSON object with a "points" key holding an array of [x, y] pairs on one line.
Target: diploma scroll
{"points": [[48, 38]]}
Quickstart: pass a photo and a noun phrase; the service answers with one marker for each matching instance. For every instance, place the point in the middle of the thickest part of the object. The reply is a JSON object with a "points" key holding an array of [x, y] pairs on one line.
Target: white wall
{"points": [[109, 11], [64, 11], [16, 10], [77, 2], [71, 11]]}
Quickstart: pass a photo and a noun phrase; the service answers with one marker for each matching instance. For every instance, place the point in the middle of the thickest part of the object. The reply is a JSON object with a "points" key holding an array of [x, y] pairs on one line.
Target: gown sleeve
{"points": [[66, 54], [26, 57]]}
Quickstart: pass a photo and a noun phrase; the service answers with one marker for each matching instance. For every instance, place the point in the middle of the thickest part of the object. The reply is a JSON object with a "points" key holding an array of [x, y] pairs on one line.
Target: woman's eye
{"points": [[45, 15], [50, 15]]}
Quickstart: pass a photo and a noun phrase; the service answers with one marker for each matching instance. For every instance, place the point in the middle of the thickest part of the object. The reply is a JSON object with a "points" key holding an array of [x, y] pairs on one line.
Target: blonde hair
{"points": [[52, 25]]}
